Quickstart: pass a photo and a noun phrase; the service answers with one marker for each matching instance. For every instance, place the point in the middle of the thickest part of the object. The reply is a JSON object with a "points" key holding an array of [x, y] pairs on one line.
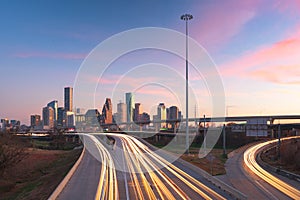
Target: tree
{"points": [[11, 151]]}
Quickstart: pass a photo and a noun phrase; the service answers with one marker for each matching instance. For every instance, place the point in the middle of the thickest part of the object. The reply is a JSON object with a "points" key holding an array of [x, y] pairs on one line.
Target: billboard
{"points": [[257, 127]]}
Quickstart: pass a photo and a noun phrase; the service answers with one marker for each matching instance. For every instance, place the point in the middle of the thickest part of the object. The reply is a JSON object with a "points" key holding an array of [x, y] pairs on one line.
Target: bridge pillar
{"points": [[272, 130]]}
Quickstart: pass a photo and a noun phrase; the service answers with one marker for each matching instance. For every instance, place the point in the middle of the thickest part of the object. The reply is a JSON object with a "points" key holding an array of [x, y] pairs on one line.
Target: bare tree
{"points": [[11, 151]]}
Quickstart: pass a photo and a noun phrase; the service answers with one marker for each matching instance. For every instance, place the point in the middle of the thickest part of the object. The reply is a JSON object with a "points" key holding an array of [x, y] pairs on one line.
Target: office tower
{"points": [[48, 117], [68, 99], [54, 105], [92, 117], [35, 121], [60, 117], [107, 112], [137, 112], [173, 112], [121, 112], [130, 106], [161, 111], [161, 114], [173, 115], [70, 119], [168, 113]]}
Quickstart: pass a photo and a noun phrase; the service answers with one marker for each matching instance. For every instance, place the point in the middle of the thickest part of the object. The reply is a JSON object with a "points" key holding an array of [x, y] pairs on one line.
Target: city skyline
{"points": [[54, 114], [254, 45]]}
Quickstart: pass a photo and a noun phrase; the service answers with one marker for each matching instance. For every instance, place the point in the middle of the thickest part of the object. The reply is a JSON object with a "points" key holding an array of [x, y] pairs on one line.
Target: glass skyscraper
{"points": [[68, 99], [130, 106], [54, 105]]}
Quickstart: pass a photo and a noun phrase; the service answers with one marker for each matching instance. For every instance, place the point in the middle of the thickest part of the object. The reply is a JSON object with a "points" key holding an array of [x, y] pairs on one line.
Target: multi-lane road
{"points": [[250, 162], [245, 174], [119, 166], [123, 167]]}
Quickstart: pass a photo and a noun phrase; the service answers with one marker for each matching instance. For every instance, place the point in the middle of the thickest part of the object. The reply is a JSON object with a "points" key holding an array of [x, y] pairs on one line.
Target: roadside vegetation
{"points": [[32, 169], [289, 158]]}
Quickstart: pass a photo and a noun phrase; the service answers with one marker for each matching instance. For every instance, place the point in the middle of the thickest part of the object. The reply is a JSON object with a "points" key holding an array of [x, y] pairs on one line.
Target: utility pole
{"points": [[186, 18]]}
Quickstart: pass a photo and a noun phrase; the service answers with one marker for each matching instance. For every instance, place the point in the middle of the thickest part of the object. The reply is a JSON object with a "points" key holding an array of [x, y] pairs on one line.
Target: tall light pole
{"points": [[186, 18]]}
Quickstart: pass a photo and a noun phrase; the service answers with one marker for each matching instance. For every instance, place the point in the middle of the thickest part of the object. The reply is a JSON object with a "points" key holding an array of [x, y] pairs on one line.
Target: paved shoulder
{"points": [[84, 182], [248, 183]]}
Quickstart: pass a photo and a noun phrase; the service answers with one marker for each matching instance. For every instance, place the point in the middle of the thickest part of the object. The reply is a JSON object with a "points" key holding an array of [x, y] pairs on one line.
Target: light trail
{"points": [[143, 156], [250, 161], [108, 185], [151, 176]]}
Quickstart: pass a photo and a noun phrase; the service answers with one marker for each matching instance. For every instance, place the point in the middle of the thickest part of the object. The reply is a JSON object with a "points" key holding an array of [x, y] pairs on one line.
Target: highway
{"points": [[250, 162], [239, 174], [123, 167]]}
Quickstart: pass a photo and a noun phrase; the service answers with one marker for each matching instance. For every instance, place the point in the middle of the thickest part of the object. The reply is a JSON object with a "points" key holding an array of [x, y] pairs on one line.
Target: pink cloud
{"points": [[50, 55], [277, 63], [220, 22], [288, 6], [278, 74]]}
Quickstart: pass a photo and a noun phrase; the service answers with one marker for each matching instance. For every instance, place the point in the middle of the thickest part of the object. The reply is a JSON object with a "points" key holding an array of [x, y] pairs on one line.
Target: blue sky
{"points": [[255, 45]]}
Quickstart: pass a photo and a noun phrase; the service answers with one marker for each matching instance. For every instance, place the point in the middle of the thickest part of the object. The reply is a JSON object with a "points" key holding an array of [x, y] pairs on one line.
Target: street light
{"points": [[186, 18]]}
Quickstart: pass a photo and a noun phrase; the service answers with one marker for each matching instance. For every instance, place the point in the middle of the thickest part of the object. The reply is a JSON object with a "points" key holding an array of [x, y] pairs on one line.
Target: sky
{"points": [[254, 44]]}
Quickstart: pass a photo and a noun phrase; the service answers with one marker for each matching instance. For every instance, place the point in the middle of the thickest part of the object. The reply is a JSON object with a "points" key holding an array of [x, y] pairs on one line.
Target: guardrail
{"points": [[276, 170], [250, 160]]}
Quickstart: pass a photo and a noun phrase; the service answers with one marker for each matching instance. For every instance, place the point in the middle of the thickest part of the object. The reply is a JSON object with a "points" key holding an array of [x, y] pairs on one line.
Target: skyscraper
{"points": [[70, 119], [173, 112], [122, 114], [60, 117], [48, 117], [173, 115], [54, 105], [107, 112], [35, 121], [68, 99], [130, 106], [137, 112], [161, 114], [161, 111]]}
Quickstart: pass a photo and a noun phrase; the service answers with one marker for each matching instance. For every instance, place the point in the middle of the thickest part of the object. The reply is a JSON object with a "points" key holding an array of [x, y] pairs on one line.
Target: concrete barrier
{"points": [[67, 178]]}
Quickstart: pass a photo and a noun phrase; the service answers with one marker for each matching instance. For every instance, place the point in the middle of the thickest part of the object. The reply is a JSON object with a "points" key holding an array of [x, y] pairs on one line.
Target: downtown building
{"points": [[161, 115], [36, 122], [122, 112], [107, 117], [54, 105], [48, 118], [69, 115], [92, 120], [68, 98], [137, 112], [174, 115], [130, 106]]}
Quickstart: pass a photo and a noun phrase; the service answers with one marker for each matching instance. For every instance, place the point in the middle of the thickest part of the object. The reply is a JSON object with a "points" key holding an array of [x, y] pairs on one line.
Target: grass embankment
{"points": [[37, 174], [213, 163]]}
